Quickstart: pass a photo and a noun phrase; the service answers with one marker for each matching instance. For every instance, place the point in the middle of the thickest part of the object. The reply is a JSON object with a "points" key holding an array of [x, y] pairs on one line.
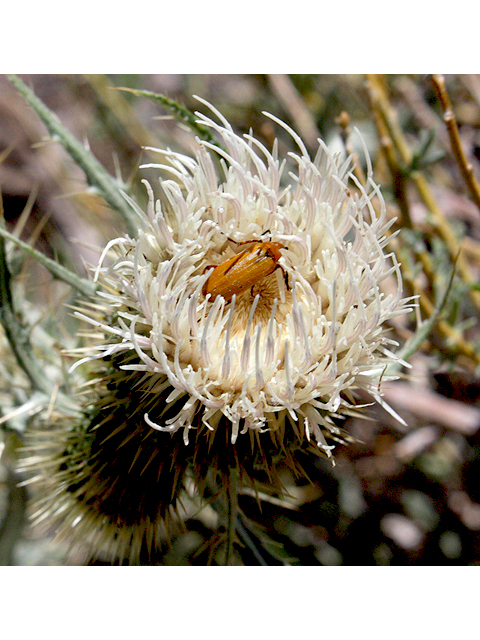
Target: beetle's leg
{"points": [[209, 266], [285, 276]]}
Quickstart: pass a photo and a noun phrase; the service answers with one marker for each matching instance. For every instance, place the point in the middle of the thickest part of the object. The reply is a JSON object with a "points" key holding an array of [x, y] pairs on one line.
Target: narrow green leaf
{"points": [[15, 332], [422, 333], [95, 173], [18, 335], [84, 286], [180, 112]]}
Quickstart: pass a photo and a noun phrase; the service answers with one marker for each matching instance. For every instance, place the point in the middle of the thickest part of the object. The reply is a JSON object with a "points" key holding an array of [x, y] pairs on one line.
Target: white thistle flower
{"points": [[292, 348]]}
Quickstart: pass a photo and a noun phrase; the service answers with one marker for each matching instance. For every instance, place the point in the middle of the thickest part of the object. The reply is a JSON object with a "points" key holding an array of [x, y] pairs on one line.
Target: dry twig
{"points": [[385, 113], [466, 168]]}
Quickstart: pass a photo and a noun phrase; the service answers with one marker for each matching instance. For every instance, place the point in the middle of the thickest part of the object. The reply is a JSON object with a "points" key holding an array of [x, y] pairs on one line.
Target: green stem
{"points": [[181, 112], [96, 175], [422, 333], [84, 286], [18, 338], [16, 334]]}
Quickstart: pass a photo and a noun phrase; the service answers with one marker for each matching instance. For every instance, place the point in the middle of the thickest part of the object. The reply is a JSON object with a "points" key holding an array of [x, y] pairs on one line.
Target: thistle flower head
{"points": [[228, 335], [285, 353]]}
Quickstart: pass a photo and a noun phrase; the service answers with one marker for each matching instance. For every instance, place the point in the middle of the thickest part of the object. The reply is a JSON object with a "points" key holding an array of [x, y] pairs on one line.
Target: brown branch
{"points": [[386, 145], [441, 224], [466, 168]]}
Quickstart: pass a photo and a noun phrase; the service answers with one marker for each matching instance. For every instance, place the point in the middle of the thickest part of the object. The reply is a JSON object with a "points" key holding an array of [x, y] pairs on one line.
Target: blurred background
{"points": [[398, 495]]}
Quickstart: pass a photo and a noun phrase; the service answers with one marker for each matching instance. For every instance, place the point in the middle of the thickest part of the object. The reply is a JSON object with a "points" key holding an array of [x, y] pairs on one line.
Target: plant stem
{"points": [[428, 310], [442, 226], [17, 334], [466, 169], [181, 113], [95, 173], [424, 330], [84, 286]]}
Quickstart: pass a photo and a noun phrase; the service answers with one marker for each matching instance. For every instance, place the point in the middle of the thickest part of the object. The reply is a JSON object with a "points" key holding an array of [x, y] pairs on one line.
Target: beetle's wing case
{"points": [[242, 271]]}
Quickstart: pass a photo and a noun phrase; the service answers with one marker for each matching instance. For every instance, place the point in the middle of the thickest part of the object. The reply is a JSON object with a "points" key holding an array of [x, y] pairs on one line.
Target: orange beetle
{"points": [[243, 270]]}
